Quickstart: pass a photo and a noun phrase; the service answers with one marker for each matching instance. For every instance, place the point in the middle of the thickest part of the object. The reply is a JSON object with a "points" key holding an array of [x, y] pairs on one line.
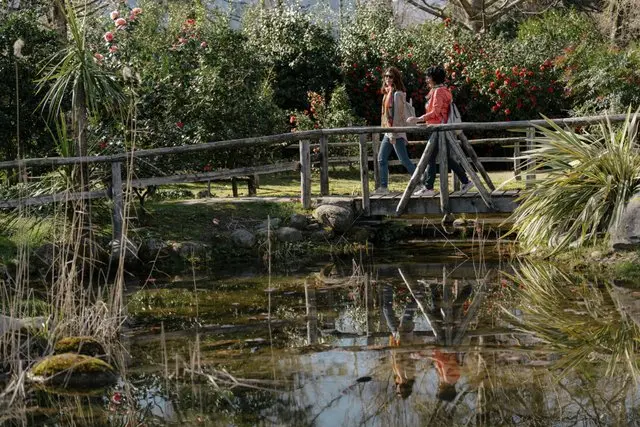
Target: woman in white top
{"points": [[392, 114]]}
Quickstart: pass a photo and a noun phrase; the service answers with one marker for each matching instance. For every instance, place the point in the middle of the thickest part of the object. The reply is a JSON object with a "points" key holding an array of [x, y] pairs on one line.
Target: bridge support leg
{"points": [[324, 165], [118, 206], [305, 174], [443, 154], [417, 175], [364, 175], [531, 176], [462, 159], [375, 143]]}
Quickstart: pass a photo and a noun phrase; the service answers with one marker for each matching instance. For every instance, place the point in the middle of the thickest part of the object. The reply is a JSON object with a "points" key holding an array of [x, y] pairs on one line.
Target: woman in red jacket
{"points": [[439, 100]]}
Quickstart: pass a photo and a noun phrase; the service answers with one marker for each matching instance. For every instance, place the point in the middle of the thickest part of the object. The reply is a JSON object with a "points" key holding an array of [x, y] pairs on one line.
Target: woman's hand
{"points": [[412, 120]]}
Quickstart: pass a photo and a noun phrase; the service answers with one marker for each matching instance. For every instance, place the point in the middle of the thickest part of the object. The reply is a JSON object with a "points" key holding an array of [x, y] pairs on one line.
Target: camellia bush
{"points": [[193, 80]]}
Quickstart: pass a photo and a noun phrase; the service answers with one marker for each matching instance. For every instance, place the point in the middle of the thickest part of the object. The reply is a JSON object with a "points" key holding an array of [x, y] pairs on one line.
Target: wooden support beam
{"points": [[364, 174], [468, 149], [417, 175], [531, 165], [444, 173], [324, 166], [305, 174], [116, 196], [234, 186], [212, 176], [462, 159], [375, 143], [517, 161]]}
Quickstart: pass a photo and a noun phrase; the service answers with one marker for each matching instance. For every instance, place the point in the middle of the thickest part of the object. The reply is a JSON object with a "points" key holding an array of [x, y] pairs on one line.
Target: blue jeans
{"points": [[430, 174], [383, 158]]}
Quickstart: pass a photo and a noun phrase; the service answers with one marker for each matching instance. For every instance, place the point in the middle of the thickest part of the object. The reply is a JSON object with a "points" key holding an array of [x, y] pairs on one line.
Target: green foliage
{"points": [[39, 43], [370, 42], [589, 179], [195, 81], [602, 78], [301, 54]]}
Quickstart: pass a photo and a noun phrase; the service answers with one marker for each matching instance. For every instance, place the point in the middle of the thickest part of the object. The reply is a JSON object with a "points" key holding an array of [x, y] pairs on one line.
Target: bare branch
{"points": [[428, 8], [506, 7]]}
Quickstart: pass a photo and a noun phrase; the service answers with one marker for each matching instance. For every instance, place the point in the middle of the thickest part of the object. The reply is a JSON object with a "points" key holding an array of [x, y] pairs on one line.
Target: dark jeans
{"points": [[400, 148], [430, 173]]}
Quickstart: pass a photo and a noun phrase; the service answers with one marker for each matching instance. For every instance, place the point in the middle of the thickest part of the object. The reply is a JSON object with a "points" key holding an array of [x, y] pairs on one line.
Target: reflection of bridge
{"points": [[486, 199]]}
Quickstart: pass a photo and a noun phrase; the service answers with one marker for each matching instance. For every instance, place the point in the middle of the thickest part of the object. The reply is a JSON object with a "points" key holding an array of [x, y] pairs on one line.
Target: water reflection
{"points": [[386, 344]]}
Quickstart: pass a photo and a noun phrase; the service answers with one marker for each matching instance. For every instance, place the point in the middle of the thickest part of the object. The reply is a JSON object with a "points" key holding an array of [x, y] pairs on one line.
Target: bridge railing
{"points": [[367, 136]]}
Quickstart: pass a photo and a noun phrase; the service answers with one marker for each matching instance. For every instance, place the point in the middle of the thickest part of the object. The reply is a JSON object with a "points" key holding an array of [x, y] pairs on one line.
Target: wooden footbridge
{"points": [[485, 197]]}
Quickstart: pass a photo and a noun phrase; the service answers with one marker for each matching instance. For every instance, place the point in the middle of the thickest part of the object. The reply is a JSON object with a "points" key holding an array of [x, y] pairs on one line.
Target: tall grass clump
{"points": [[588, 179]]}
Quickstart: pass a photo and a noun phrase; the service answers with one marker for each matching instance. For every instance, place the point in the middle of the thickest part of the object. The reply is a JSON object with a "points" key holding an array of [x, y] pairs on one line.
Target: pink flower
{"points": [[113, 49], [136, 11], [180, 125], [292, 119], [190, 22], [108, 37], [203, 45], [99, 57], [114, 15], [121, 22], [132, 17], [182, 40]]}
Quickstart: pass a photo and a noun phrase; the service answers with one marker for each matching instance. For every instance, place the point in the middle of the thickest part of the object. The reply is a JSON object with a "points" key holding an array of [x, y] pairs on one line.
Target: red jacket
{"points": [[438, 106]]}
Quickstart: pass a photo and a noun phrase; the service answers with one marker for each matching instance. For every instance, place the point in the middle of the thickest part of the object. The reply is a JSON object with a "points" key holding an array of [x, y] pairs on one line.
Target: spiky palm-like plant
{"points": [[589, 179]]}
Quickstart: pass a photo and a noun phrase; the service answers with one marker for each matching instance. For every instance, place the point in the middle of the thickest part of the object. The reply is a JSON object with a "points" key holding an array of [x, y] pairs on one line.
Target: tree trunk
{"points": [[59, 20]]}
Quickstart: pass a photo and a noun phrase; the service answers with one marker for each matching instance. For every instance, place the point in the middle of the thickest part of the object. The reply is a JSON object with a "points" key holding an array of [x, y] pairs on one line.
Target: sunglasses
{"points": [[388, 75]]}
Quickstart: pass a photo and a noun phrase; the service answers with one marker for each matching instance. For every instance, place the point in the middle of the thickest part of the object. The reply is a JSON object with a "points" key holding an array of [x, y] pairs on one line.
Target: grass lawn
{"points": [[342, 182]]}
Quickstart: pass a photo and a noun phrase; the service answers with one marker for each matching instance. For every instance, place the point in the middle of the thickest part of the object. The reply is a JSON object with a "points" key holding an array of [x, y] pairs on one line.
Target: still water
{"points": [[422, 336]]}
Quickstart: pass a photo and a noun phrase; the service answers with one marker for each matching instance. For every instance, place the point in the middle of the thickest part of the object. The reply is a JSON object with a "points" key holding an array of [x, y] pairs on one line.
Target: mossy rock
{"points": [[79, 345], [73, 371]]}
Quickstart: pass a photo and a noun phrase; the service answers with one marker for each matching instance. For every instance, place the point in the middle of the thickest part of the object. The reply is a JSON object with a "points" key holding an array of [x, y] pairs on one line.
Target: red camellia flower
{"points": [[203, 45], [102, 145], [113, 49], [108, 36], [136, 11], [121, 22], [114, 15], [207, 168], [492, 85], [117, 398], [507, 111], [98, 56], [515, 70], [190, 22], [550, 89], [292, 119], [495, 108], [180, 125]]}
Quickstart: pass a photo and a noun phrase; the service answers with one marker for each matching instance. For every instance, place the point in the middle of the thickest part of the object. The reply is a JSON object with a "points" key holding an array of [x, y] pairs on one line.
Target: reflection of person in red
{"points": [[448, 372]]}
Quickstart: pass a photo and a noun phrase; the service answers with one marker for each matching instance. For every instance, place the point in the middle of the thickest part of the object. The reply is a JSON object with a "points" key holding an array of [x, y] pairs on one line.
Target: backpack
{"points": [[454, 117], [409, 109]]}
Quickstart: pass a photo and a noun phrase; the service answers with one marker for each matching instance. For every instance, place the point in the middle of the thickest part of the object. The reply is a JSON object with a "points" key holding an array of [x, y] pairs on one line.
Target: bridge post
{"points": [[444, 173], [517, 162], [305, 174], [364, 174], [531, 176], [116, 196], [375, 142], [324, 165]]}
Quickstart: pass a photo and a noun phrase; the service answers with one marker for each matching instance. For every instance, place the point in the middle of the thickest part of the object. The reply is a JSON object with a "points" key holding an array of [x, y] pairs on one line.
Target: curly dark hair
{"points": [[437, 74]]}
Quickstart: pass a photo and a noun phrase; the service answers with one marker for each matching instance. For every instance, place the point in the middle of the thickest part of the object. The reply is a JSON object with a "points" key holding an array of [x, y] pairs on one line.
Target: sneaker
{"points": [[381, 191], [466, 187], [424, 191]]}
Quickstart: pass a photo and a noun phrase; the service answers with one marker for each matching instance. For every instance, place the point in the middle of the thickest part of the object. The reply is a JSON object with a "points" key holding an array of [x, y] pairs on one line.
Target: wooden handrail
{"points": [[306, 135]]}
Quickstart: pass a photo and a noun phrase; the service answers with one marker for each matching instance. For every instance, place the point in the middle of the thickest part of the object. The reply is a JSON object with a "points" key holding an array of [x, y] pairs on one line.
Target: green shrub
{"points": [[589, 179]]}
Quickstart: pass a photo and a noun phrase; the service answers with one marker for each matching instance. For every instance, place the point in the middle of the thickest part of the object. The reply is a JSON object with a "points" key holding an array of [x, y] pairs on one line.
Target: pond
{"points": [[422, 334]]}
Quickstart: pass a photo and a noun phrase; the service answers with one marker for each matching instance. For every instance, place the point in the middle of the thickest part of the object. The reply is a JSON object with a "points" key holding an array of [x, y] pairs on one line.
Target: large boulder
{"points": [[338, 218], [627, 235], [243, 238], [273, 223], [289, 234], [73, 371]]}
